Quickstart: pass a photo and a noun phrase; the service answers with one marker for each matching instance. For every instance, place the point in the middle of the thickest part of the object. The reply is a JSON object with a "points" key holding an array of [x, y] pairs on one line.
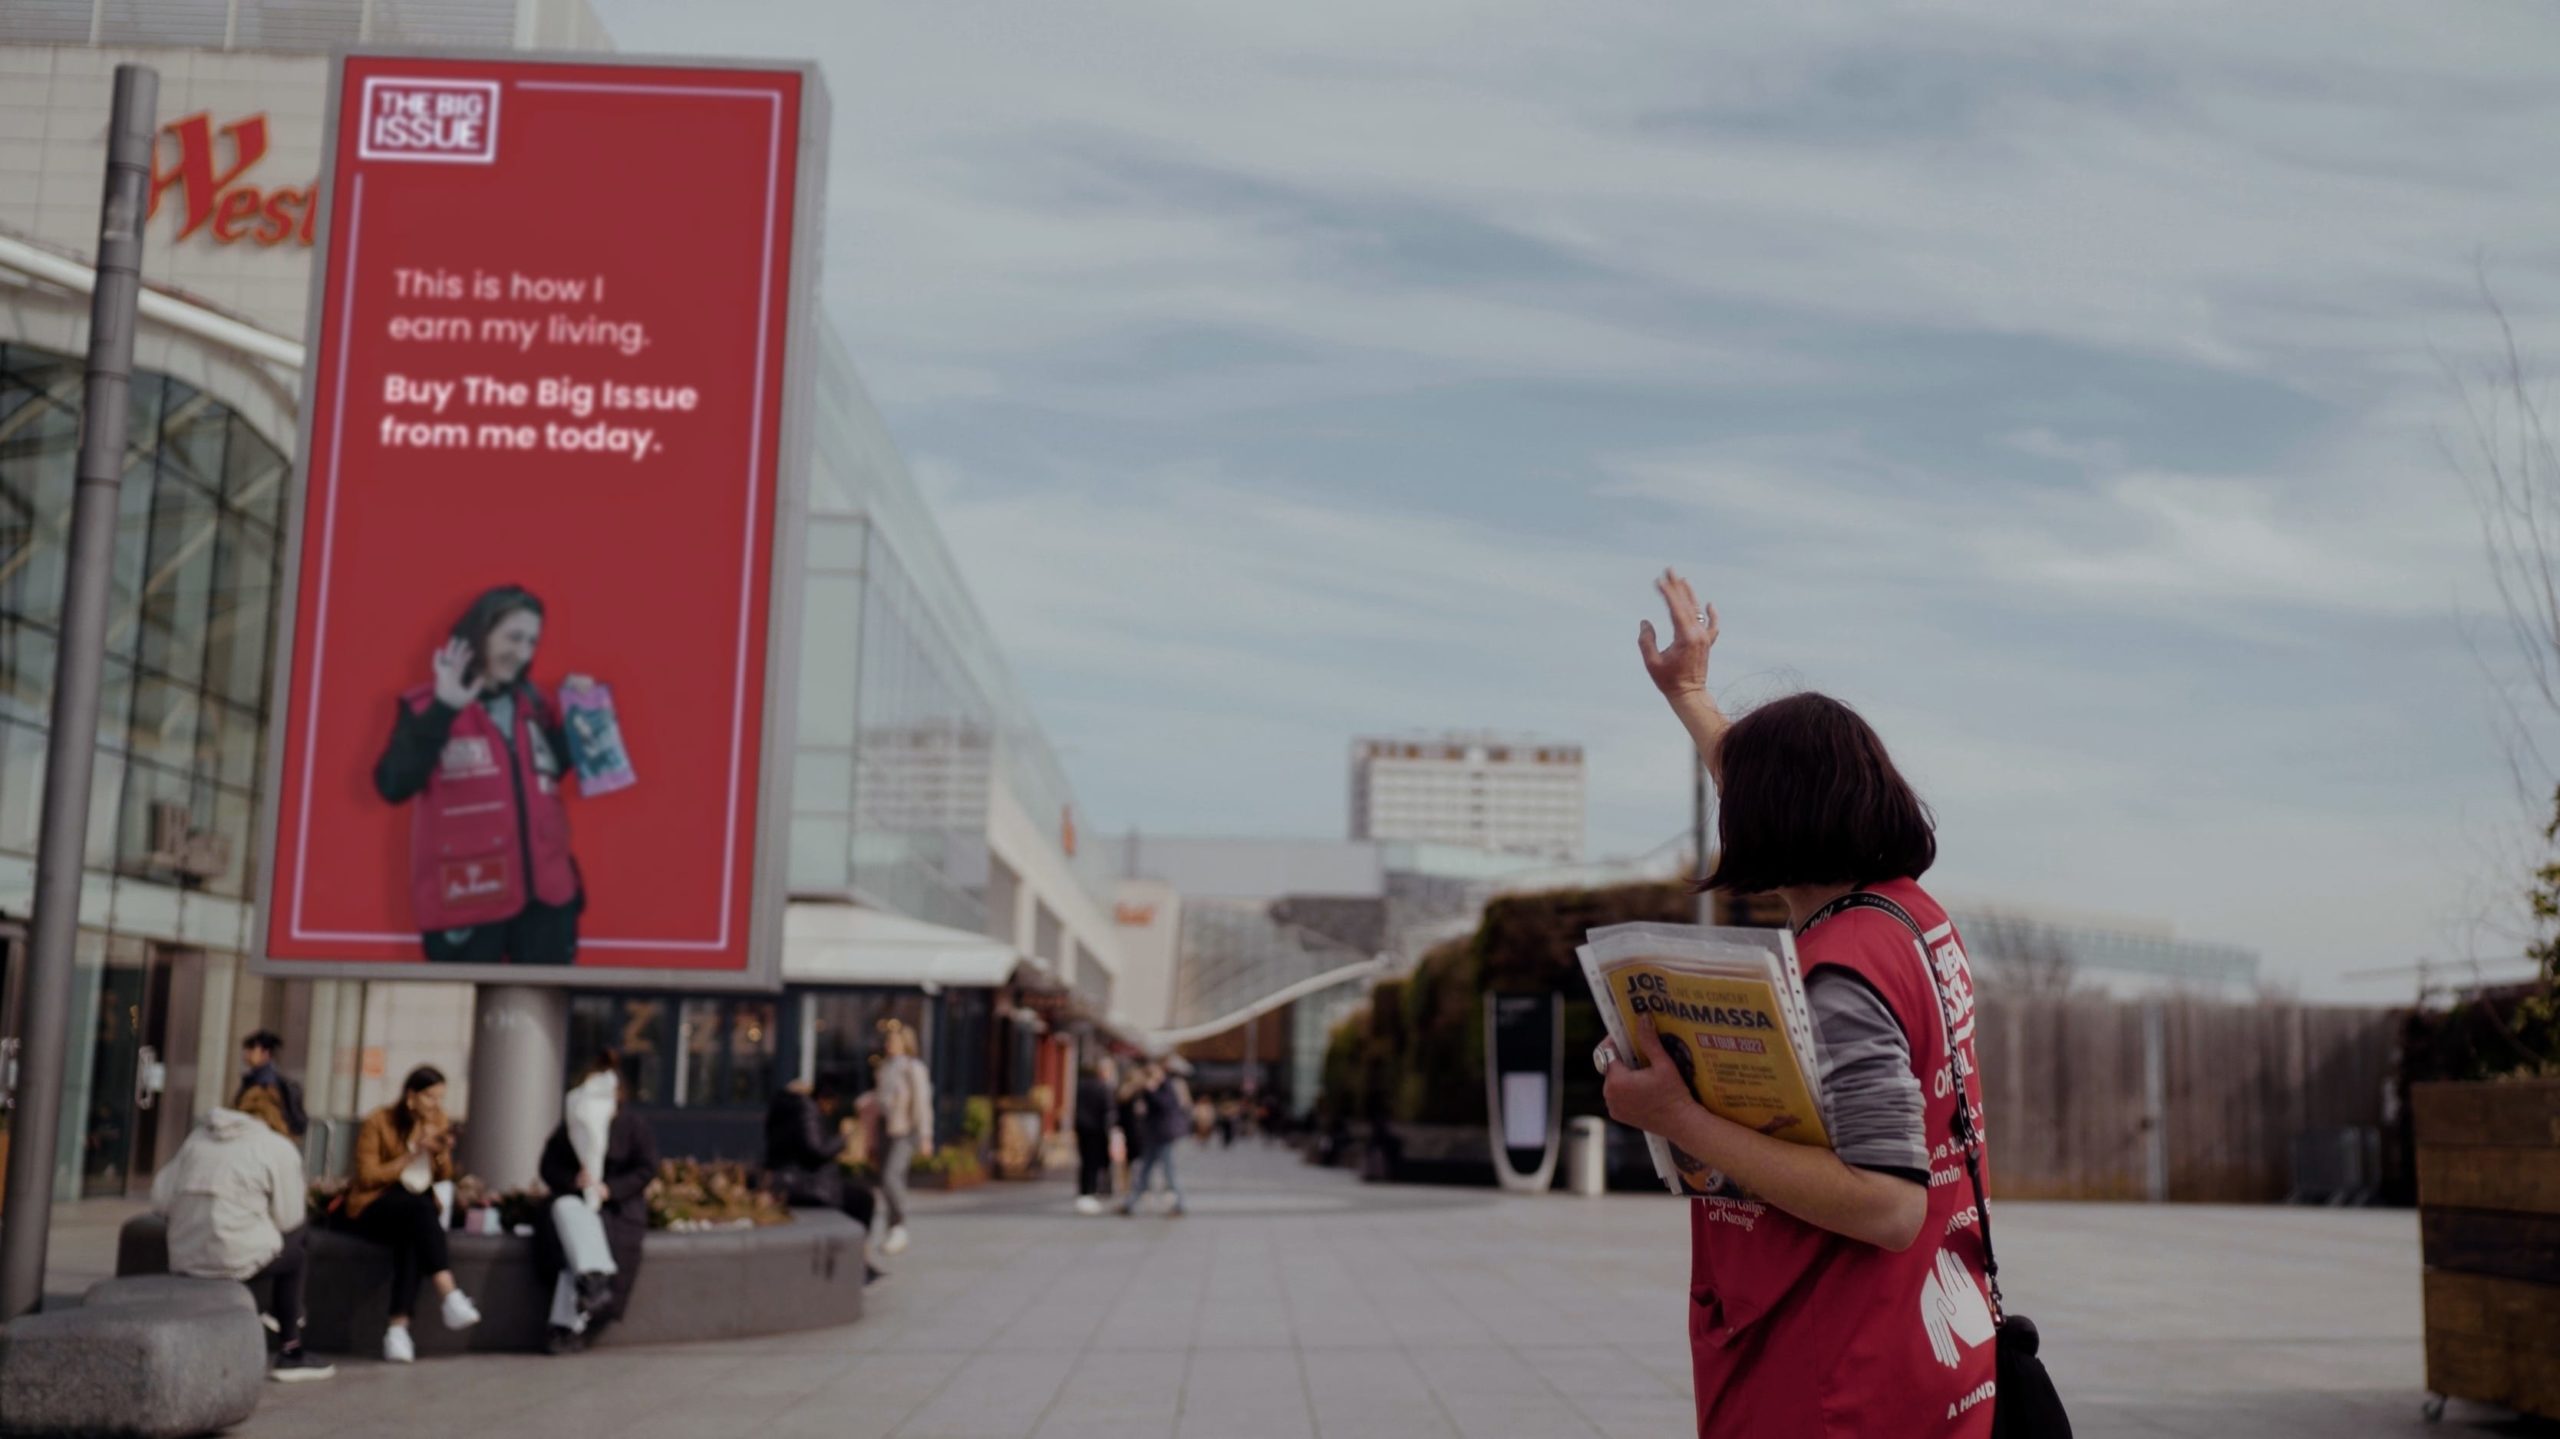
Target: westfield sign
{"points": [[206, 166]]}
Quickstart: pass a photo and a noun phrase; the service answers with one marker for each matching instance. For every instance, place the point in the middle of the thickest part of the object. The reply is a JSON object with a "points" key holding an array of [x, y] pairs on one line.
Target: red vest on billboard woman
{"points": [[1795, 1330], [481, 822]]}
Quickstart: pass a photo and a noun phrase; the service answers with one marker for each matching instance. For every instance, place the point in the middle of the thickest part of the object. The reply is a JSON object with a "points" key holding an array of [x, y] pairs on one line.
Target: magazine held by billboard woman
{"points": [[1729, 1007]]}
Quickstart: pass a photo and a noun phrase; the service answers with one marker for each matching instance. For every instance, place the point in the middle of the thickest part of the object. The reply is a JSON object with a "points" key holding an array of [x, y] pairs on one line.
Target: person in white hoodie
{"points": [[607, 1181], [587, 1270], [234, 1199]]}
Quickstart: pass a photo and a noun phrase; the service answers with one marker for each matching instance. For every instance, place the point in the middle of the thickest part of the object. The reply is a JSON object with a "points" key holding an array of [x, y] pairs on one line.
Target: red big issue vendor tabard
{"points": [[1795, 1330]]}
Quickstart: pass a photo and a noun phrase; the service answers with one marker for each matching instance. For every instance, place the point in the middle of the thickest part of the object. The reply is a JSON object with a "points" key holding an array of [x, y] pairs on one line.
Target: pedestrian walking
{"points": [[611, 1177], [1168, 1116], [258, 1055], [802, 1162], [1131, 1120], [905, 1106], [234, 1199], [1096, 1097], [403, 1151], [1842, 1291]]}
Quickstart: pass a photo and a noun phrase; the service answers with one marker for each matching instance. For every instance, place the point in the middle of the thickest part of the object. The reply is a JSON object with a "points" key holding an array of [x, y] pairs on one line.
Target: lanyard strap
{"points": [[1968, 1142]]}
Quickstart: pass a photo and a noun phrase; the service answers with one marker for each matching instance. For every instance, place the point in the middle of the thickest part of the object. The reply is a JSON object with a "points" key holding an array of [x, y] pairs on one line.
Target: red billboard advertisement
{"points": [[535, 658]]}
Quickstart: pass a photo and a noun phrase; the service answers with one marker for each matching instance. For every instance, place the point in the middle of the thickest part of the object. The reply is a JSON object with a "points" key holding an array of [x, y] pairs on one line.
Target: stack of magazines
{"points": [[1729, 1007]]}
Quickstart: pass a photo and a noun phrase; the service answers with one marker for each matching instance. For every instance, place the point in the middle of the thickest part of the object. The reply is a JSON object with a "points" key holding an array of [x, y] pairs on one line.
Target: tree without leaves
{"points": [[2510, 466], [2016, 955]]}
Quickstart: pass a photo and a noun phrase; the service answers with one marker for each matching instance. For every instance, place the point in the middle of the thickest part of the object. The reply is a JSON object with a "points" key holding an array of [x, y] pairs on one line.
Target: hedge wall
{"points": [[1417, 1054]]}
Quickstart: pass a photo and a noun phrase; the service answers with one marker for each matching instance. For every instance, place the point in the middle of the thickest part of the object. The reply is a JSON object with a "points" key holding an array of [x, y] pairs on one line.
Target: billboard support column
{"points": [[72, 746], [519, 1069]]}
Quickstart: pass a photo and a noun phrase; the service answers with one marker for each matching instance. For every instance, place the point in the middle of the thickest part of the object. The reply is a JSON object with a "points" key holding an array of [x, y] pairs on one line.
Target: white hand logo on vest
{"points": [[1954, 1312]]}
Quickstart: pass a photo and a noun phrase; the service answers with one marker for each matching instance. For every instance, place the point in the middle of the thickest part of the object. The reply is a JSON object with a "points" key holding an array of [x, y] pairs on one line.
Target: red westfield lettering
{"points": [[211, 195]]}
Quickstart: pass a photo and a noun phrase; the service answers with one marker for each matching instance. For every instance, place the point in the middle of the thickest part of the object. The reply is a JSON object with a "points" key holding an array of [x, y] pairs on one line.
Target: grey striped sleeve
{"points": [[1878, 1119]]}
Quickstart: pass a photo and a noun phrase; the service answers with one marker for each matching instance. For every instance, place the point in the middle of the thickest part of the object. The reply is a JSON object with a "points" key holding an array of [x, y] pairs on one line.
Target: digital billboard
{"points": [[535, 658]]}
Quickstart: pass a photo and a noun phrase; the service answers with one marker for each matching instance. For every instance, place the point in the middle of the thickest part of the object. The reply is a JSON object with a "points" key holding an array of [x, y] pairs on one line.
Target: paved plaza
{"points": [[1300, 1302]]}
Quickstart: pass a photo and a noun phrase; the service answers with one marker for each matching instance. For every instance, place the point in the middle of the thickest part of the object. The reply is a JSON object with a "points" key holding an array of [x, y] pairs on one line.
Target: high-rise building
{"points": [[1514, 796]]}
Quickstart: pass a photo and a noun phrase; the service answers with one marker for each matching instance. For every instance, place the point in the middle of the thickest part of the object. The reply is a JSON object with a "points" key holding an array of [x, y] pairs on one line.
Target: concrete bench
{"points": [[156, 1357], [727, 1284]]}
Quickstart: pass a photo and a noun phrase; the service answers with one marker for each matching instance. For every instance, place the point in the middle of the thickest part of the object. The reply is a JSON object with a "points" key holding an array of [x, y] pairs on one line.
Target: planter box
{"points": [[919, 1179], [2489, 1217]]}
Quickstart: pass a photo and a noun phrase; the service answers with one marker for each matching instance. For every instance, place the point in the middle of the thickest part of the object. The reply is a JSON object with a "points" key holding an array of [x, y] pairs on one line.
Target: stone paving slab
{"points": [[1299, 1302]]}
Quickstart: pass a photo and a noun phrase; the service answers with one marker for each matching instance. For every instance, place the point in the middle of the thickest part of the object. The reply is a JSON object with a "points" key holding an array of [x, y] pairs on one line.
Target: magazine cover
{"points": [[595, 740], [1729, 1009]]}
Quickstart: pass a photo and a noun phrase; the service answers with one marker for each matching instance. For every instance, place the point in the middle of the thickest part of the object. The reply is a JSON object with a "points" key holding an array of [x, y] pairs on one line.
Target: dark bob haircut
{"points": [[1810, 797], [486, 614]]}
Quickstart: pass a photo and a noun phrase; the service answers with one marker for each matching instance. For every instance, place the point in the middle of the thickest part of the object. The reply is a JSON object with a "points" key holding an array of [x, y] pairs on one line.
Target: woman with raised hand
{"points": [[1840, 1291]]}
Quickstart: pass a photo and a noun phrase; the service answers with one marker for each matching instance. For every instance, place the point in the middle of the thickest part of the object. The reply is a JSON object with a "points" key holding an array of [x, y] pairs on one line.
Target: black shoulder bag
{"points": [[2027, 1406]]}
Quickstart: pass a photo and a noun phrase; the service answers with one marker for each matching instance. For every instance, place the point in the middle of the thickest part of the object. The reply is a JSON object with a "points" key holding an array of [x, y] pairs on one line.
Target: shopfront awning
{"points": [[847, 944]]}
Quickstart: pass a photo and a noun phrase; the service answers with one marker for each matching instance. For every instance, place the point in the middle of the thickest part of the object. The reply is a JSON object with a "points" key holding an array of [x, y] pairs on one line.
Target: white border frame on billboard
{"points": [[772, 819]]}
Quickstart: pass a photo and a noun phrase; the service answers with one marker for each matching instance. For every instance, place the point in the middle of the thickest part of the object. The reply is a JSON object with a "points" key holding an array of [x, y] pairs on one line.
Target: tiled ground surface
{"points": [[1296, 1302]]}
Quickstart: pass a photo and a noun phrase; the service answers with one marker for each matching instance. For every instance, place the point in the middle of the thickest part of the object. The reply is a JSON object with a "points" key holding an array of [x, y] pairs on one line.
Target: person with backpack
{"points": [[1845, 1291], [258, 1054]]}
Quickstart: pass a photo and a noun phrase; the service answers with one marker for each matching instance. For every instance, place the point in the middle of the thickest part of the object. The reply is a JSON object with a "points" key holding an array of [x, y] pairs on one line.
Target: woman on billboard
{"points": [[482, 753]]}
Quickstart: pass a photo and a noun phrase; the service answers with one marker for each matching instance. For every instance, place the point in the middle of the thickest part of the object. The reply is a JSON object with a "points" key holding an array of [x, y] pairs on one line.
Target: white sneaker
{"points": [[1087, 1204], [896, 1243], [459, 1311], [397, 1348]]}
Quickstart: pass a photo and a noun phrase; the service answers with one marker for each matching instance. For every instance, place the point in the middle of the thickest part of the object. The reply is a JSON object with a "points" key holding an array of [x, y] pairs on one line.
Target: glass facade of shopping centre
{"points": [[182, 707], [908, 715], [189, 631]]}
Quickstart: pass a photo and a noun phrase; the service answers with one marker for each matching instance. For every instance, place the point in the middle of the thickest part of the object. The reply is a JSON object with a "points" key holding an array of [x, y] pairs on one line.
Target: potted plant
{"points": [[694, 1194], [954, 1166]]}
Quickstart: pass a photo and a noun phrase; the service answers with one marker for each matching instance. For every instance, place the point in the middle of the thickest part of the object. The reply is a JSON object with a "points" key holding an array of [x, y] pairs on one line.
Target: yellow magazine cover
{"points": [[1728, 1037]]}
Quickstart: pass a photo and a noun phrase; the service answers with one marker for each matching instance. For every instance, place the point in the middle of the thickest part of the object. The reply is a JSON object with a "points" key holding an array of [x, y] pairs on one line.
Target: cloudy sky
{"points": [[2066, 387]]}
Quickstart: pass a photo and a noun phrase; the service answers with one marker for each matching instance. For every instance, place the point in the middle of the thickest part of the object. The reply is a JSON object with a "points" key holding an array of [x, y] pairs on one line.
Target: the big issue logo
{"points": [[213, 198]]}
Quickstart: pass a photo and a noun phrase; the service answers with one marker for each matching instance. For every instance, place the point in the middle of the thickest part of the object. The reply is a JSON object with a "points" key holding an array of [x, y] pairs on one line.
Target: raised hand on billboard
{"points": [[454, 689]]}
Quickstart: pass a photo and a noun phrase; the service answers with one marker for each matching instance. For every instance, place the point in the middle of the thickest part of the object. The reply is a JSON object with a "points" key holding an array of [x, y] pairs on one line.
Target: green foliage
{"points": [[977, 1119], [1344, 1086], [2537, 1014], [956, 1161], [1419, 1047]]}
